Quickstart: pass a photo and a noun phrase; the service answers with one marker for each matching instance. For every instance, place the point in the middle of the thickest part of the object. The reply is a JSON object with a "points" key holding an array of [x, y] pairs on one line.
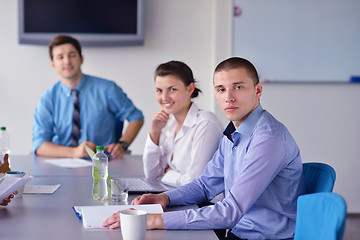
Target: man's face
{"points": [[66, 61], [236, 94]]}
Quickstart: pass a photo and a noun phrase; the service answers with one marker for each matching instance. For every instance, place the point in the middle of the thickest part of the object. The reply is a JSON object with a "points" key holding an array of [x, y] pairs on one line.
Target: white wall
{"points": [[324, 118], [174, 31]]}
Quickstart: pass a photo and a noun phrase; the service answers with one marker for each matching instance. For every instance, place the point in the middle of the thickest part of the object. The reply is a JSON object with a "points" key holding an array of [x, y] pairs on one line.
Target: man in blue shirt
{"points": [[103, 108], [257, 166]]}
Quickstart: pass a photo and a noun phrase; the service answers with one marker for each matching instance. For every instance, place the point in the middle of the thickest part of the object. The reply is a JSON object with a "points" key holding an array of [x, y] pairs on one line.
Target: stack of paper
{"points": [[69, 162], [41, 189], [11, 184], [94, 216]]}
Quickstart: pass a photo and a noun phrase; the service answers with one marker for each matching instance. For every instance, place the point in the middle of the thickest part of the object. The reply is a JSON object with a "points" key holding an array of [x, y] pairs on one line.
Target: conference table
{"points": [[50, 216]]}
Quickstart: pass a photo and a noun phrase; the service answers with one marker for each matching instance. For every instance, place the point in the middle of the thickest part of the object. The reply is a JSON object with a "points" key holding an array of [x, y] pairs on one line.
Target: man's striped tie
{"points": [[76, 119]]}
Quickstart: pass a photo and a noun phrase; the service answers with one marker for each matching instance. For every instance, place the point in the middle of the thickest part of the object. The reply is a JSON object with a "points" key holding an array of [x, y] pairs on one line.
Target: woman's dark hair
{"points": [[63, 39], [179, 69]]}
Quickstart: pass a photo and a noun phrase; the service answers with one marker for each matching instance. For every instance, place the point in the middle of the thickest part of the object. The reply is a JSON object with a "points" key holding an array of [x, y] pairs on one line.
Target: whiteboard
{"points": [[299, 41]]}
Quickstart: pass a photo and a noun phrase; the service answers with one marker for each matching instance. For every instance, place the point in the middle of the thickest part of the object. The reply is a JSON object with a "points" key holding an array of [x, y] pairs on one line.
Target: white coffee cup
{"points": [[133, 224], [17, 174]]}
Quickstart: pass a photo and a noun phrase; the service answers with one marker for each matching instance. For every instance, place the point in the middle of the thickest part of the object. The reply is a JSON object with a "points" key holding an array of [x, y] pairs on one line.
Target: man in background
{"points": [[81, 109]]}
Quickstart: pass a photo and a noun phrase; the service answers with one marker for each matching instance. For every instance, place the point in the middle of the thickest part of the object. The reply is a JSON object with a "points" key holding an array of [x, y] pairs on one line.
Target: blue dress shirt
{"points": [[103, 106], [259, 168]]}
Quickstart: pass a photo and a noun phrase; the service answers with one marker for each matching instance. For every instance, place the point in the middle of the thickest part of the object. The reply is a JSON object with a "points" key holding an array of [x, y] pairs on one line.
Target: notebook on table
{"points": [[94, 216], [144, 185]]}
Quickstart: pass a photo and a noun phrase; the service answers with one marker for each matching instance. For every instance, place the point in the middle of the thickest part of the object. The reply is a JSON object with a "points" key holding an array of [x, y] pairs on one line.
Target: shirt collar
{"points": [[246, 127], [79, 87], [189, 121], [191, 116]]}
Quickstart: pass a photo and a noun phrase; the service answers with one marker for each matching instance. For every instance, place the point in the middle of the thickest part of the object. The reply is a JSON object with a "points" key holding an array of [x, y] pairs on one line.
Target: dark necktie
{"points": [[76, 119]]}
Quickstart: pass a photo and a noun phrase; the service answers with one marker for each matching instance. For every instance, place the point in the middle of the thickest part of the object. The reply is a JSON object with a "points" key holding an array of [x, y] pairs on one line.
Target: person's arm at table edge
{"points": [[154, 221], [49, 149], [116, 149], [131, 131]]}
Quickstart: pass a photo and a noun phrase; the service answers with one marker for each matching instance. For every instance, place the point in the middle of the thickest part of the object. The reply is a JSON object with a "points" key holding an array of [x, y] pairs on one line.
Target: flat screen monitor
{"points": [[92, 22]]}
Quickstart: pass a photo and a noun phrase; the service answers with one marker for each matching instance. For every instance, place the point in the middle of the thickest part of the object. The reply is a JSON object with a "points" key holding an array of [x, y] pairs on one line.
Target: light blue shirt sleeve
{"points": [[122, 106], [43, 128], [202, 189]]}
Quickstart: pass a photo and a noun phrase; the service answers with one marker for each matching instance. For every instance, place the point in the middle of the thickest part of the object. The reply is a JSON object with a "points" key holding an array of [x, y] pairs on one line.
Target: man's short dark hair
{"points": [[237, 62], [63, 39]]}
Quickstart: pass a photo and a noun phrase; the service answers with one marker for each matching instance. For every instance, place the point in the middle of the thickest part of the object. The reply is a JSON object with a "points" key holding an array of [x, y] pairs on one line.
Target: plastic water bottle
{"points": [[100, 174], [4, 144]]}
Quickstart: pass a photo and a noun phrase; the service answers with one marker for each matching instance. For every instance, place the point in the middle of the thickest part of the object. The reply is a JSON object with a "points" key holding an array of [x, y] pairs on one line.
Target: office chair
{"points": [[320, 216], [318, 177]]}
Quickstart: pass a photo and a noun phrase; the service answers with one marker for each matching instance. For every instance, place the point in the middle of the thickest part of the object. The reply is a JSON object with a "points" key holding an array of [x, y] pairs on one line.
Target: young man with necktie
{"points": [[81, 109]]}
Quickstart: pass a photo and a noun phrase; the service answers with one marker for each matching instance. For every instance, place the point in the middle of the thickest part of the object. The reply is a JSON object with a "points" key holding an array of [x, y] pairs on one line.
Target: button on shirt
{"points": [[102, 105], [188, 152], [259, 168]]}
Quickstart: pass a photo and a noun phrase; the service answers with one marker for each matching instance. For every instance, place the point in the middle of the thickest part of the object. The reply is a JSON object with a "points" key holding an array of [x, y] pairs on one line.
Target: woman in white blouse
{"points": [[182, 138]]}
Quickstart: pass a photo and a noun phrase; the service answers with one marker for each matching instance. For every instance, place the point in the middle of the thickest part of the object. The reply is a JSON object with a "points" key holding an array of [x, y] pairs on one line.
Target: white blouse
{"points": [[188, 153]]}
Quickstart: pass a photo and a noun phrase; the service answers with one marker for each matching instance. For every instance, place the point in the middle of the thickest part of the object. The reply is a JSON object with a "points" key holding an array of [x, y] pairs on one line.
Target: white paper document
{"points": [[10, 184], [2, 176], [94, 216], [69, 162], [41, 189]]}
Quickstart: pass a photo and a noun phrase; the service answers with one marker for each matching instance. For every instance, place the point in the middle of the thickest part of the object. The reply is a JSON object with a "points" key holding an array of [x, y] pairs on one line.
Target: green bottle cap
{"points": [[3, 128], [99, 148]]}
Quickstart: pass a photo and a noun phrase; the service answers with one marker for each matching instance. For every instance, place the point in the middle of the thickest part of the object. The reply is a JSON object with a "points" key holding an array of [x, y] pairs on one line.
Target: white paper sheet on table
{"points": [[69, 162], [41, 189], [94, 216], [10, 184]]}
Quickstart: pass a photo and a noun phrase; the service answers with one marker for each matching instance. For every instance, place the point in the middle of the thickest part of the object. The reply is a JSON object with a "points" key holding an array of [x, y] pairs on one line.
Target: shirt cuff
{"points": [[149, 143], [175, 197], [152, 152], [37, 143], [174, 220], [171, 178]]}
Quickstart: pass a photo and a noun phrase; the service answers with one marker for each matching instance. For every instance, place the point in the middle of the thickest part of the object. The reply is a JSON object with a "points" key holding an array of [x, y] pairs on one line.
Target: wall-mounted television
{"points": [[92, 22]]}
